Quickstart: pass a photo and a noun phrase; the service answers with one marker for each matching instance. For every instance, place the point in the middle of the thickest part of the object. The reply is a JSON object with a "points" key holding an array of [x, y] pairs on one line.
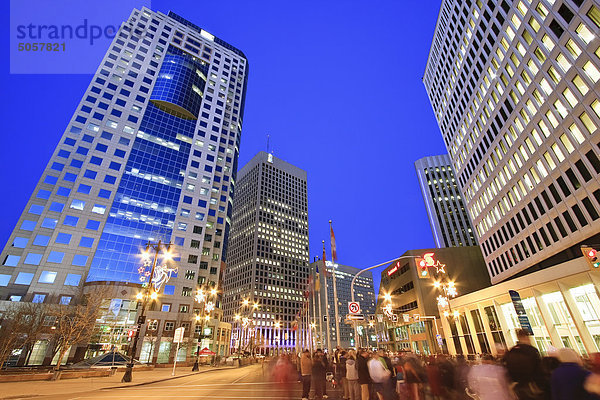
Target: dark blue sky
{"points": [[336, 84]]}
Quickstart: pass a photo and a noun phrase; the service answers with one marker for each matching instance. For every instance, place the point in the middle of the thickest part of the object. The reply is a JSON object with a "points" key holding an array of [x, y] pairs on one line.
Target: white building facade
{"points": [[514, 88]]}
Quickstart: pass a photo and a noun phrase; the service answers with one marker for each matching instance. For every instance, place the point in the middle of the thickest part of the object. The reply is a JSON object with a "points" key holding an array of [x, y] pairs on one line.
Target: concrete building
{"points": [[514, 88], [364, 293], [413, 299], [449, 220], [149, 154], [268, 254]]}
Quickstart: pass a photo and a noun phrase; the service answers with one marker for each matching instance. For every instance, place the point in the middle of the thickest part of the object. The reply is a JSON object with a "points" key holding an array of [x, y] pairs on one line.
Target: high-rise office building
{"points": [[364, 293], [150, 154], [268, 251], [514, 88], [448, 217]]}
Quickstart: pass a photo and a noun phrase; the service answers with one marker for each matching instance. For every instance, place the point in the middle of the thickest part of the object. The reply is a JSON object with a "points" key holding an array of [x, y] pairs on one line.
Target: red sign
{"points": [[391, 271]]}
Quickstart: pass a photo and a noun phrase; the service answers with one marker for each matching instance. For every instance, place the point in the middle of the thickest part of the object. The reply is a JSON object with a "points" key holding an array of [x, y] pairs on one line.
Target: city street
{"points": [[252, 382]]}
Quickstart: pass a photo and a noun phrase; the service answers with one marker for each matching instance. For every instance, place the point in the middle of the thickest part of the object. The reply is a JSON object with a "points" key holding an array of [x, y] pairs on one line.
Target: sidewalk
{"points": [[13, 390]]}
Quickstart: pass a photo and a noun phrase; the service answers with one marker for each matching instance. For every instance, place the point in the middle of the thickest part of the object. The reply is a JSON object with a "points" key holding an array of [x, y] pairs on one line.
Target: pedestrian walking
{"points": [[524, 365], [567, 381], [341, 374], [352, 376], [380, 374], [319, 372], [364, 378], [305, 373]]}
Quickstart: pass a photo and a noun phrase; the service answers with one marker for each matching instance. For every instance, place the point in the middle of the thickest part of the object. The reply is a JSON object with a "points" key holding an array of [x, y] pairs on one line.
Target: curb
{"points": [[166, 379]]}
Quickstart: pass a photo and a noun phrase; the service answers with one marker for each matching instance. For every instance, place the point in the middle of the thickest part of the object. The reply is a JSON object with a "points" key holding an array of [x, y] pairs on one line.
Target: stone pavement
{"points": [[17, 390]]}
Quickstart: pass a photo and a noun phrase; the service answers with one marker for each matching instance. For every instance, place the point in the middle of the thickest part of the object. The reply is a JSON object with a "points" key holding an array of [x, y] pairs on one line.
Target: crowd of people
{"points": [[521, 373]]}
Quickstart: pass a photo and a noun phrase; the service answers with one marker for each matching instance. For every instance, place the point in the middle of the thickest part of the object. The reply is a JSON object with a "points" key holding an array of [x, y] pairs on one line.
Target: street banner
{"points": [[406, 317], [520, 310]]}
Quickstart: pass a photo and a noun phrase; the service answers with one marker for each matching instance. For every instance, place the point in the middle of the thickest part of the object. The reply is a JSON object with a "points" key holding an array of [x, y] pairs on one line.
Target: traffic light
{"points": [[591, 255], [422, 268]]}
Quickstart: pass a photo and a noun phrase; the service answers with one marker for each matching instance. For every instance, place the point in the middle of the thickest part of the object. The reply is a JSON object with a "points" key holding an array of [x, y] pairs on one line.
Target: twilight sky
{"points": [[336, 84]]}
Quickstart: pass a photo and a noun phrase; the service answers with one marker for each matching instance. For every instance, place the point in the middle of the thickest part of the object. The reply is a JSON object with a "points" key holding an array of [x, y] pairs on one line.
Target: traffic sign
{"points": [[394, 318], [354, 307], [380, 318], [355, 317], [406, 317], [178, 338], [416, 317]]}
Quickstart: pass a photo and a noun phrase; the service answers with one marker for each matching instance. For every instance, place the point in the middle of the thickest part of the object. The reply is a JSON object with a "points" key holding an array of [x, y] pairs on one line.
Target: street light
{"points": [[206, 307], [157, 275], [365, 270]]}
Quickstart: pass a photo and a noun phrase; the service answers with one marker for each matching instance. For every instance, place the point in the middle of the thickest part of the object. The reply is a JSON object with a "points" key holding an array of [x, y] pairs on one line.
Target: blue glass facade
{"points": [[149, 192], [176, 86]]}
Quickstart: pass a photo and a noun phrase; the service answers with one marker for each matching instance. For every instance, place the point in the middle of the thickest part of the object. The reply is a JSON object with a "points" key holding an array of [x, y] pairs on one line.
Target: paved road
{"points": [[245, 383]]}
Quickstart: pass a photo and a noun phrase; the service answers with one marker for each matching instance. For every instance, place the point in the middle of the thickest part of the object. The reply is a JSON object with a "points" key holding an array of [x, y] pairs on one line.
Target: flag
{"points": [[324, 261], [317, 281], [333, 249]]}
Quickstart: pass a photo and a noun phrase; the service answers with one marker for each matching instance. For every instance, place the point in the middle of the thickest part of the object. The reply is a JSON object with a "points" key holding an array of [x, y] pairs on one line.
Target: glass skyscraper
{"points": [[150, 154]]}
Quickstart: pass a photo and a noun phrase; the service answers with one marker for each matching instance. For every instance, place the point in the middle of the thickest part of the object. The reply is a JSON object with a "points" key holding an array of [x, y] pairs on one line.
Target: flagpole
{"points": [[320, 309], [335, 296], [314, 306], [328, 325]]}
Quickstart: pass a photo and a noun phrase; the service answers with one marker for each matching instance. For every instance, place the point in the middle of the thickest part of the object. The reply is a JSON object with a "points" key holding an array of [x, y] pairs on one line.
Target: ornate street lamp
{"points": [[152, 276], [204, 298]]}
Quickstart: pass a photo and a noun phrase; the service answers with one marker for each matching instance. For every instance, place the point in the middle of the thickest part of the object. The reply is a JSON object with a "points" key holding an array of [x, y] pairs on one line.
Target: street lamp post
{"points": [[148, 292], [365, 270], [206, 307]]}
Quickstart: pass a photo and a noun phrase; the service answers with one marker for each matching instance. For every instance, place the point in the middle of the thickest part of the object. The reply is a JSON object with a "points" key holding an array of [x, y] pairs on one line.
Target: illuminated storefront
{"points": [[561, 303]]}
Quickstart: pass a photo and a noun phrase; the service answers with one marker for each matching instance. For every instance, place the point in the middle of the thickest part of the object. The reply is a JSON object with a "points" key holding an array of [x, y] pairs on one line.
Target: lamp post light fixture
{"points": [[205, 298], [152, 280]]}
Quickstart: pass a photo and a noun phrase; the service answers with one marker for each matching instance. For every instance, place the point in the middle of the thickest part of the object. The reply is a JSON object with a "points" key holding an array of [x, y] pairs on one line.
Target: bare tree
{"points": [[34, 315], [18, 327], [75, 324]]}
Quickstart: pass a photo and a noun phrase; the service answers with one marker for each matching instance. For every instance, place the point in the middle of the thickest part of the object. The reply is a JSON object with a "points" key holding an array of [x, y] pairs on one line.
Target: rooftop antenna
{"points": [[268, 137]]}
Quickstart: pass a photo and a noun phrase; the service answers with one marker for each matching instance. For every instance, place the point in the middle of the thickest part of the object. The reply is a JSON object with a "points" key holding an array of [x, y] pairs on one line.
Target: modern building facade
{"points": [[150, 154], [514, 88], [413, 299], [364, 293], [267, 255], [448, 217], [561, 304]]}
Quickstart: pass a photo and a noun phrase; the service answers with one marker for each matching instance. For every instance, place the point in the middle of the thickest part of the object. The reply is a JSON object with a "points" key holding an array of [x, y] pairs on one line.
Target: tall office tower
{"points": [[268, 251], [448, 217], [150, 154], [364, 293], [514, 88]]}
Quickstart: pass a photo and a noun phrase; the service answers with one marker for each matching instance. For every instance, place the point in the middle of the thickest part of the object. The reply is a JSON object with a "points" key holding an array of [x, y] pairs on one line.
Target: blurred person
{"points": [[446, 369], [341, 374], [284, 374], [524, 365], [319, 373], [380, 374], [489, 381], [413, 378], [352, 376], [567, 380], [364, 378], [305, 373], [592, 382], [461, 373], [434, 378]]}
